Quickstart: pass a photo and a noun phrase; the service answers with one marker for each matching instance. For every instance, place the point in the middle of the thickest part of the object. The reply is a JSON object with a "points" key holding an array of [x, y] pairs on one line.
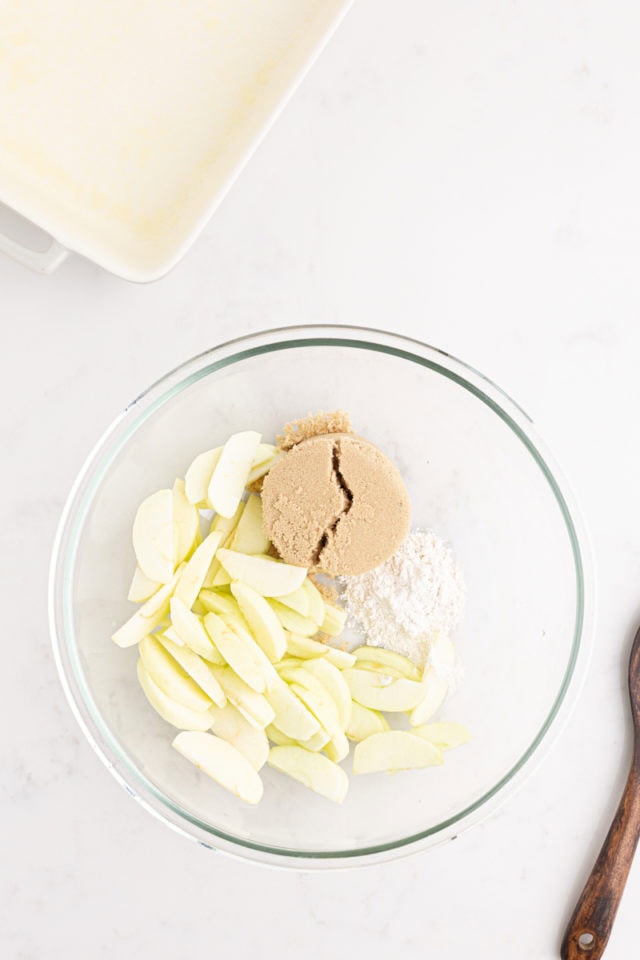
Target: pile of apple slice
{"points": [[233, 645]]}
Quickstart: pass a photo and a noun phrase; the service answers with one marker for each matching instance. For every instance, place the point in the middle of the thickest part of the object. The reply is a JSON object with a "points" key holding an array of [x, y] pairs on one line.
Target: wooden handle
{"points": [[590, 926]]}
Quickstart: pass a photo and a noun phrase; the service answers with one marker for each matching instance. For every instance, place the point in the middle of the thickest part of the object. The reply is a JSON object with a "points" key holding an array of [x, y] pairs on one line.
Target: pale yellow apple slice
{"points": [[435, 687], [198, 476], [268, 577], [314, 770], [142, 588], [386, 661], [337, 688], [222, 762], [241, 652], [167, 674], [249, 536], [153, 536], [264, 624], [383, 692], [306, 648], [334, 620], [196, 569], [298, 601], [226, 527], [292, 621], [174, 713], [316, 610], [364, 722], [251, 705], [190, 628], [197, 668], [266, 456], [337, 748], [316, 742], [186, 523], [221, 578], [395, 750], [279, 738], [290, 715], [169, 632], [217, 601], [230, 475], [445, 735], [233, 727], [148, 617], [320, 704]]}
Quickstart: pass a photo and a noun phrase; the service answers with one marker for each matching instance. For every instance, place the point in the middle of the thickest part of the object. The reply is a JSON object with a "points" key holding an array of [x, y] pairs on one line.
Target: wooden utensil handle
{"points": [[590, 926]]}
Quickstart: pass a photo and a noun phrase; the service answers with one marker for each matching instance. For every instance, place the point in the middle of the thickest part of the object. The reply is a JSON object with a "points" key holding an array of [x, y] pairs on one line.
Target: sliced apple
{"points": [[337, 748], [186, 521], [444, 735], [222, 762], [266, 456], [306, 649], [337, 688], [334, 620], [169, 632], [292, 621], [383, 692], [196, 569], [198, 476], [378, 658], [241, 652], [153, 536], [435, 688], [364, 722], [321, 706], [298, 601], [148, 617], [395, 750], [249, 536], [217, 601], [316, 609], [251, 705], [279, 738], [230, 725], [142, 588], [263, 622], [290, 714], [316, 742], [197, 669], [167, 674], [174, 713], [190, 628], [315, 771], [268, 577], [230, 475]]}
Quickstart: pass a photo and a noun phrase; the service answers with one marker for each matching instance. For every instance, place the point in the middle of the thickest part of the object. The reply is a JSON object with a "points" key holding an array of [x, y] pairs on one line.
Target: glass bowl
{"points": [[477, 475]]}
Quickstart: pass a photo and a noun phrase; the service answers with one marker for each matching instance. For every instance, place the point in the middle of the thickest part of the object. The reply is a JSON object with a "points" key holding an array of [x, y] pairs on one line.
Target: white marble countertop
{"points": [[463, 173]]}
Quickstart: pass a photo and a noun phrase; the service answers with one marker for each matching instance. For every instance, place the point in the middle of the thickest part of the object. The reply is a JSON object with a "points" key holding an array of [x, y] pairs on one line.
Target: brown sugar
{"points": [[314, 425], [335, 504]]}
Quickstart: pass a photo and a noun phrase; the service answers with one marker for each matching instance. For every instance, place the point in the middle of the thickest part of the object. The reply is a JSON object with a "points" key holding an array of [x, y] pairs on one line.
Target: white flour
{"points": [[415, 596]]}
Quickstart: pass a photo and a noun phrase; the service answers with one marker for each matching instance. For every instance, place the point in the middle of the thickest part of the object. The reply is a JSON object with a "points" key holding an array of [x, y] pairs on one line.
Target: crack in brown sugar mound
{"points": [[335, 503]]}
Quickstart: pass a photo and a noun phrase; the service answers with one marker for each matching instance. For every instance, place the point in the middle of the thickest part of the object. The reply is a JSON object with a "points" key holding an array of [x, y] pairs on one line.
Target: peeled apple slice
{"points": [[378, 658], [241, 652], [331, 678], [230, 725], [264, 624], [298, 601], [186, 523], [315, 771], [198, 476], [222, 762], [249, 536], [292, 621], [251, 705], [189, 627], [268, 577], [338, 747], [218, 602], [141, 587], [306, 649], [395, 750], [167, 674], [382, 692], [279, 738], [435, 688], [290, 714], [197, 669], [153, 536], [334, 620], [148, 617], [364, 722], [230, 475], [266, 456], [321, 706], [316, 609], [196, 569], [174, 713], [444, 735]]}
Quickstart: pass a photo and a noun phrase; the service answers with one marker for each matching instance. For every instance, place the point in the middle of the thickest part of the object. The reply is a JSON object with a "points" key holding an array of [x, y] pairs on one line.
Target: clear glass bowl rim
{"points": [[88, 480]]}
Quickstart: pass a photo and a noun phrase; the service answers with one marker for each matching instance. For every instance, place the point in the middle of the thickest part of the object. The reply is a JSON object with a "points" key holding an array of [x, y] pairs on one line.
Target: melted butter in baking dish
{"points": [[120, 120]]}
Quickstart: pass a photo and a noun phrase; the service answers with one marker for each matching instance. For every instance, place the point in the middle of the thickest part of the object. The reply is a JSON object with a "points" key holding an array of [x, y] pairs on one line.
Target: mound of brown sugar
{"points": [[314, 425], [336, 504]]}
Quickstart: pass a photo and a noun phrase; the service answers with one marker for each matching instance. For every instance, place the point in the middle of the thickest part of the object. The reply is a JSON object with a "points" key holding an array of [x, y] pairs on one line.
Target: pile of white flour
{"points": [[415, 596]]}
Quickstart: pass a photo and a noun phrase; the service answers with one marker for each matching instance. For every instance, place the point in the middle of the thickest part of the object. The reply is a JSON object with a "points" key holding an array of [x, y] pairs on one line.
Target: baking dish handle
{"points": [[42, 261]]}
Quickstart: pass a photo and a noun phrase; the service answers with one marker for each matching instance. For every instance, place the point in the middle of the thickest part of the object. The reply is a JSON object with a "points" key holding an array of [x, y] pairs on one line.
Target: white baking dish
{"points": [[123, 124]]}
